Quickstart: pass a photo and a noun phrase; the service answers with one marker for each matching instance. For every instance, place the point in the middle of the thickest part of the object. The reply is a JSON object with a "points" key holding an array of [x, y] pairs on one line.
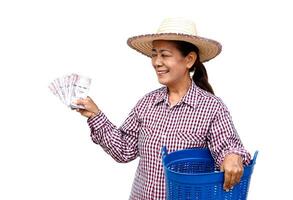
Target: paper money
{"points": [[69, 88]]}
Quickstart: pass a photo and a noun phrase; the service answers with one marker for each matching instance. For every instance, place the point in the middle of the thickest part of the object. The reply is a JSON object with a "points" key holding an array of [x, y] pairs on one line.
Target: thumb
{"points": [[88, 97], [222, 169], [78, 101]]}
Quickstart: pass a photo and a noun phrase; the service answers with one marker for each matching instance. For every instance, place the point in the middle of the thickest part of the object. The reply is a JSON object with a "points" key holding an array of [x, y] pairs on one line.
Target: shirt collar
{"points": [[162, 95], [189, 98]]}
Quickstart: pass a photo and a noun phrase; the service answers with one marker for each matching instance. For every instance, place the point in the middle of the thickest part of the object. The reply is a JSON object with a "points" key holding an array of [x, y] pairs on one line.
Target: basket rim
{"points": [[165, 155]]}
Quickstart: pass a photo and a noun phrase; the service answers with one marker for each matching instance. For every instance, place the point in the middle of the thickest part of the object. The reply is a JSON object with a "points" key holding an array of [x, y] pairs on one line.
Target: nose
{"points": [[157, 61]]}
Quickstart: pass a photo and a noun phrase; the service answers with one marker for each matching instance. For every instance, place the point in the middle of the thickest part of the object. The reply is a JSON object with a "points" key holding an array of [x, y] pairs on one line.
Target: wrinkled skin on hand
{"points": [[232, 167]]}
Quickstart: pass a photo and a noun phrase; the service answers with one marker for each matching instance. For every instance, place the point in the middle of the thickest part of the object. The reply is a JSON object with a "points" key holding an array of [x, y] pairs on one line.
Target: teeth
{"points": [[162, 72]]}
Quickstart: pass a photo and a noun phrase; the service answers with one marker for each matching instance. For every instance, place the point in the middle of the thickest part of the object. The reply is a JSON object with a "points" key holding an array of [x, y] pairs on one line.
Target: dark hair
{"points": [[200, 76]]}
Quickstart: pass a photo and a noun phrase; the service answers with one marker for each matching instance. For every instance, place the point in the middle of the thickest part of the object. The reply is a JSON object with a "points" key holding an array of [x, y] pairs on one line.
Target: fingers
{"points": [[233, 171], [90, 109], [232, 177], [87, 103], [79, 102], [238, 175], [228, 180]]}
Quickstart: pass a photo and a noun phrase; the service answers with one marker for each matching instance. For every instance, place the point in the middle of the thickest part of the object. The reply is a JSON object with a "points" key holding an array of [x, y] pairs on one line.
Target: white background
{"points": [[45, 148]]}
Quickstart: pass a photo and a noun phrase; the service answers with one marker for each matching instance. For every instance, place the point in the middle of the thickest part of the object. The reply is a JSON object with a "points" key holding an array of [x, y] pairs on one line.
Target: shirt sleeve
{"points": [[223, 138], [121, 143]]}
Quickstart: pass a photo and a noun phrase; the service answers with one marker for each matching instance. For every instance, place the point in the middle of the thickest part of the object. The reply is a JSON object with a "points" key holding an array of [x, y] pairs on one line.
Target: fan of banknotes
{"points": [[69, 88]]}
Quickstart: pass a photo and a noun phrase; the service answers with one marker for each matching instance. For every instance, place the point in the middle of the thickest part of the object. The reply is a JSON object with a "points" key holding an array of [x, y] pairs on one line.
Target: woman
{"points": [[182, 114]]}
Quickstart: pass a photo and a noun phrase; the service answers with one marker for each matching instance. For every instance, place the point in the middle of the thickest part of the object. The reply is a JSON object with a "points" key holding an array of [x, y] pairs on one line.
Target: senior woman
{"points": [[184, 113]]}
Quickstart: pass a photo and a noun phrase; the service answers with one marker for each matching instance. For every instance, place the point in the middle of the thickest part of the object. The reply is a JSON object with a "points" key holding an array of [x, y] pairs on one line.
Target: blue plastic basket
{"points": [[191, 174]]}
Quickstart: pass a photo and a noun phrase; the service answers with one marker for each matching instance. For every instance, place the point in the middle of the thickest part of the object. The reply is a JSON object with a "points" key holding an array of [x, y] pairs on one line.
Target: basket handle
{"points": [[254, 157], [164, 151]]}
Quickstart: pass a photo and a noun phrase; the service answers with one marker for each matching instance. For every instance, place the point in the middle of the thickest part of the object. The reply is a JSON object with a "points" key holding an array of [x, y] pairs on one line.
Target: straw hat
{"points": [[176, 29]]}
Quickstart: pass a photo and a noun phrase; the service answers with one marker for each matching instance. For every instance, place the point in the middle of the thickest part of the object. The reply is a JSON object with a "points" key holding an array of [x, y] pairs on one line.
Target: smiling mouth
{"points": [[161, 72]]}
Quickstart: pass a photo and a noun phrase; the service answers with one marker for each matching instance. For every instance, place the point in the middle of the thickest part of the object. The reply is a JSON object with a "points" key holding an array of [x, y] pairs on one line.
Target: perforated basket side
{"points": [[192, 166], [191, 177]]}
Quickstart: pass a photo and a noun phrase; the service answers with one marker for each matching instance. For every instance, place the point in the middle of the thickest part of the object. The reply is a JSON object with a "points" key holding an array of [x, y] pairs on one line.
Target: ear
{"points": [[190, 59]]}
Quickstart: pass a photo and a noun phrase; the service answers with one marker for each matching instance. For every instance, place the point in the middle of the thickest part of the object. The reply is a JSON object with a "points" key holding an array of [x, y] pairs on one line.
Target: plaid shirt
{"points": [[199, 119]]}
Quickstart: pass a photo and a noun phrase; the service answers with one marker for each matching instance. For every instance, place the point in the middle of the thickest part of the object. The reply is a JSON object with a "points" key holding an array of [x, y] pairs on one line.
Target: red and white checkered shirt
{"points": [[199, 119]]}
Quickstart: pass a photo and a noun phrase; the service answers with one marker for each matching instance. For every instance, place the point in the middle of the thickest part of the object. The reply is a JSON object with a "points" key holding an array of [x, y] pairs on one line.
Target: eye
{"points": [[153, 55], [165, 55]]}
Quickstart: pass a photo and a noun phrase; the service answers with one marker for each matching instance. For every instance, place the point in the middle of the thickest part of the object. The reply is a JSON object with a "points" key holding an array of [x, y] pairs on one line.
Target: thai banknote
{"points": [[69, 88]]}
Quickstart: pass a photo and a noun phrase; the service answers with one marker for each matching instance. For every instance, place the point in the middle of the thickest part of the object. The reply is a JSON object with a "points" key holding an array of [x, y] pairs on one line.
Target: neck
{"points": [[177, 91]]}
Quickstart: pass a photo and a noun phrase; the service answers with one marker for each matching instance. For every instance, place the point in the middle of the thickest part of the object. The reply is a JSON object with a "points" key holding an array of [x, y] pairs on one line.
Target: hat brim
{"points": [[208, 49]]}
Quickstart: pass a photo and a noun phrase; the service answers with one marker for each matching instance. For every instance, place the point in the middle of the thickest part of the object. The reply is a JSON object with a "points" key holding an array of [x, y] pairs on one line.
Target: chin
{"points": [[164, 82]]}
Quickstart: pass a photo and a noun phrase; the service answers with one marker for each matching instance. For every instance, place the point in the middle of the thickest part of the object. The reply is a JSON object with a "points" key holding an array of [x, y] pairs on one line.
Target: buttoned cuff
{"points": [[97, 121], [241, 152]]}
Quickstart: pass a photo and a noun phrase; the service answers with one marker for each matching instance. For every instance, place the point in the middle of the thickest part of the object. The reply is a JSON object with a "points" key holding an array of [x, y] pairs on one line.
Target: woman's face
{"points": [[170, 65]]}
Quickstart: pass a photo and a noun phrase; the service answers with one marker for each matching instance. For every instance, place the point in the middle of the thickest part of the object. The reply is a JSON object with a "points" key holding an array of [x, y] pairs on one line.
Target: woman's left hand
{"points": [[232, 167]]}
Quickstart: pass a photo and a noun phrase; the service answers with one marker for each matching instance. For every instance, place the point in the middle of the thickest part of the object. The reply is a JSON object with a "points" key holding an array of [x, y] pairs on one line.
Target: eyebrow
{"points": [[154, 50]]}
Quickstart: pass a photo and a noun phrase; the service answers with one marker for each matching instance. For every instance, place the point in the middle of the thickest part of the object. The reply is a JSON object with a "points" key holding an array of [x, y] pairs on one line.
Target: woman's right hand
{"points": [[90, 108]]}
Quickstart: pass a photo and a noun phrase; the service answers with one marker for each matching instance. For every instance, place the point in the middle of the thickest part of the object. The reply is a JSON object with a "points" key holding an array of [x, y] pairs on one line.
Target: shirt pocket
{"points": [[190, 138], [146, 140]]}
